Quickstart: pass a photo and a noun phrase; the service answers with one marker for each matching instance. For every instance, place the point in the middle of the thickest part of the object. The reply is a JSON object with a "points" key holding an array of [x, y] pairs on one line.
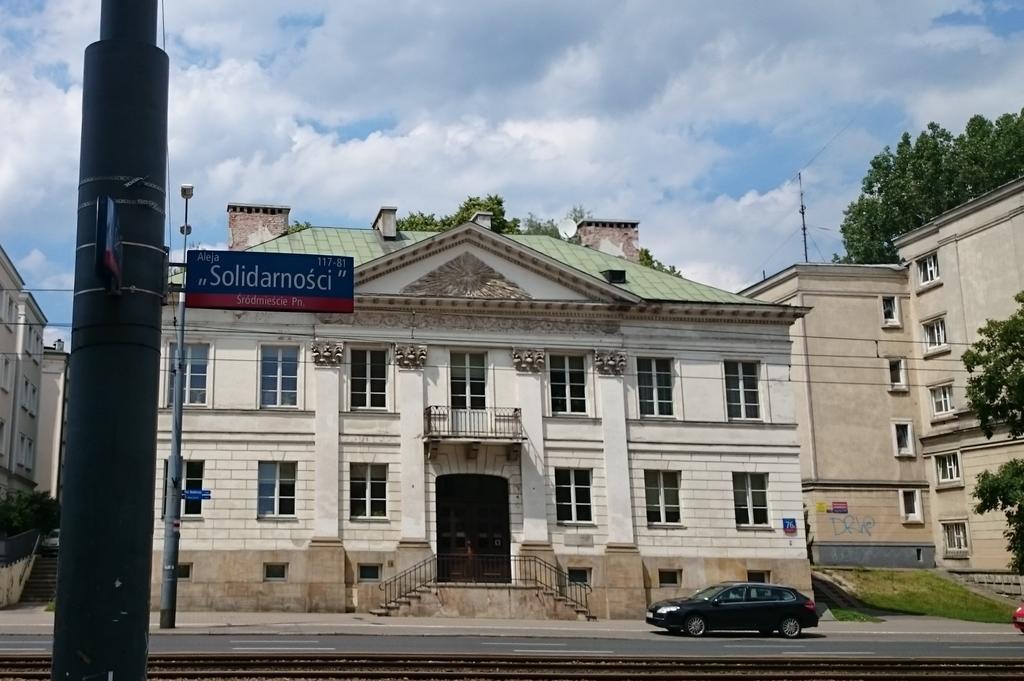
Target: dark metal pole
{"points": [[101, 630], [172, 486]]}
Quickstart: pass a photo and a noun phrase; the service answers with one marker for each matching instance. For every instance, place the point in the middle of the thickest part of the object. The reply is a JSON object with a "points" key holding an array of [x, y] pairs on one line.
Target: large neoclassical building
{"points": [[502, 419]]}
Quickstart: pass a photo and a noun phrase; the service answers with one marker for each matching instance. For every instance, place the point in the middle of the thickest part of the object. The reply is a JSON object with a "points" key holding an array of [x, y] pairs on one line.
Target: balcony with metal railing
{"points": [[501, 424]]}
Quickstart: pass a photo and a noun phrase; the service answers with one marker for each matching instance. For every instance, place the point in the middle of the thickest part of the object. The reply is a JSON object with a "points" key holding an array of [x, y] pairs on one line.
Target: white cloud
{"points": [[633, 109]]}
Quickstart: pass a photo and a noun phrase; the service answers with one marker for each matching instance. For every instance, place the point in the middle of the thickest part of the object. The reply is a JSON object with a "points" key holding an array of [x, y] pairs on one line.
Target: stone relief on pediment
{"points": [[466, 276]]}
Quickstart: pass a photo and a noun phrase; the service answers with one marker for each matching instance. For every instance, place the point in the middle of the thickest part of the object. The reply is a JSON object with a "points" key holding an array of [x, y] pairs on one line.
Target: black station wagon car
{"points": [[737, 606]]}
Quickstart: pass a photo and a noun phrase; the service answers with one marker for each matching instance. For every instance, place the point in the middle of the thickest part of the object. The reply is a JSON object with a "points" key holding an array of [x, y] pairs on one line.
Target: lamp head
{"points": [[186, 191]]}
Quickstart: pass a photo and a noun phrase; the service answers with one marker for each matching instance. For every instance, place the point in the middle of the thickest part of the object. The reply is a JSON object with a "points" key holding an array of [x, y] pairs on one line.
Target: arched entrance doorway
{"points": [[472, 529]]}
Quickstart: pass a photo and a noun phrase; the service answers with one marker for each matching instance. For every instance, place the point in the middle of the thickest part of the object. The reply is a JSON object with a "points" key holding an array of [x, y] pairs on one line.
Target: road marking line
{"points": [[559, 652], [258, 648], [762, 645], [837, 653], [22, 650], [275, 640], [523, 643], [1010, 647]]}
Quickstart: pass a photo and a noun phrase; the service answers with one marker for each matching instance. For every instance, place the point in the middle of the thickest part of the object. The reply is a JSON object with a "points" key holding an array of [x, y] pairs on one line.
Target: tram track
{"points": [[554, 668]]}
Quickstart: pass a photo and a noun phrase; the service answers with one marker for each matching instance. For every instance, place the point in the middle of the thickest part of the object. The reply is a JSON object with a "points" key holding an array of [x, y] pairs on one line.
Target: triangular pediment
{"points": [[466, 276], [471, 262]]}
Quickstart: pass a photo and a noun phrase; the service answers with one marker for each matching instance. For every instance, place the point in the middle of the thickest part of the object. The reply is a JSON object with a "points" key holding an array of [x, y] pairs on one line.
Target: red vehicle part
{"points": [[1018, 618]]}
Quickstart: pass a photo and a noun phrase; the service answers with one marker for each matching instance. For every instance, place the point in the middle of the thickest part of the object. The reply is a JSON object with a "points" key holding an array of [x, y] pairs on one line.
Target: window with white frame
{"points": [[654, 385], [196, 360], [897, 373], [12, 310], [955, 536], [928, 269], [369, 379], [750, 498], [468, 380], [947, 467], [26, 455], [934, 333], [193, 481], [910, 505], [890, 311], [568, 384], [276, 488], [33, 399], [741, 390], [942, 400], [7, 379], [572, 495], [903, 438], [368, 490], [662, 492], [279, 376]]}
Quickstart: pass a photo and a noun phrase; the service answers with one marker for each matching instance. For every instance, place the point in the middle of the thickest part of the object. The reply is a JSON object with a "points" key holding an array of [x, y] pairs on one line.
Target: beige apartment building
{"points": [[21, 358], [889, 449]]}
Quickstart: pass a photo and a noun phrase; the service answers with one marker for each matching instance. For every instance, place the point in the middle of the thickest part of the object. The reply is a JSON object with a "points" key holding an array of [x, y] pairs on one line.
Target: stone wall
{"points": [[251, 225]]}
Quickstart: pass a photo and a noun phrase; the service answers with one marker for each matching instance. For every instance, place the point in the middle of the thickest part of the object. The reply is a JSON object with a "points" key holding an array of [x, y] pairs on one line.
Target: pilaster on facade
{"points": [[529, 364], [328, 358], [411, 359], [616, 451]]}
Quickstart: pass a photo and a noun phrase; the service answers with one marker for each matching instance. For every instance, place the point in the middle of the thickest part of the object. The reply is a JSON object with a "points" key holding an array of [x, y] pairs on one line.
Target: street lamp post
{"points": [[172, 485]]}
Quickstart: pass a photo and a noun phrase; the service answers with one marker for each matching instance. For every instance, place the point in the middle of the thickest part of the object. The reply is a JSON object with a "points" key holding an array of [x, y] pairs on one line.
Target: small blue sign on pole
{"points": [[284, 282], [789, 525], [195, 494]]}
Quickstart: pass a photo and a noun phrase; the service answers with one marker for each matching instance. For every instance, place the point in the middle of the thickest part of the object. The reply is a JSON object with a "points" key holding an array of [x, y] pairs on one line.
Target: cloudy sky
{"points": [[692, 117]]}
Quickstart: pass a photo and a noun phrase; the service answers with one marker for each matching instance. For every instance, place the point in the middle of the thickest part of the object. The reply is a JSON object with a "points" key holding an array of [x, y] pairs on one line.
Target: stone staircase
{"points": [[539, 590], [42, 581]]}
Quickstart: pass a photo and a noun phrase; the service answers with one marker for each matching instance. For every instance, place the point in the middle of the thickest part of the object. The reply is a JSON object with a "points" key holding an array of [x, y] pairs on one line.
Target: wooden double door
{"points": [[473, 538]]}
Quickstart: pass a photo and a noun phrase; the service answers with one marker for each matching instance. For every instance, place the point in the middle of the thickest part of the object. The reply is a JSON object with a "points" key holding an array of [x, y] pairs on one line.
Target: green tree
{"points": [[534, 225], [995, 392], [28, 511], [492, 203], [926, 176], [647, 259], [995, 387], [1004, 491]]}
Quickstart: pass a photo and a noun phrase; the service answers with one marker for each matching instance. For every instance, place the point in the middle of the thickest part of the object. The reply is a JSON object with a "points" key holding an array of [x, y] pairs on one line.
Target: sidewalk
{"points": [[36, 621]]}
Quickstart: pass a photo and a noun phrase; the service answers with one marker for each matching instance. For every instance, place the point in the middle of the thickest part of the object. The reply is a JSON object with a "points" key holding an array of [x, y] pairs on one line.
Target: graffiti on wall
{"points": [[850, 524]]}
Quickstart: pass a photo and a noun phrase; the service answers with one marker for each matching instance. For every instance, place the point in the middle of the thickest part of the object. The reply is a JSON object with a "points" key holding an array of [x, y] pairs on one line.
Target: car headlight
{"points": [[667, 608]]}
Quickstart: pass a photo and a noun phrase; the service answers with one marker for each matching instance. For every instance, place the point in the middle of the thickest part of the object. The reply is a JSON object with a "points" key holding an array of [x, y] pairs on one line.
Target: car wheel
{"points": [[695, 625], [790, 627]]}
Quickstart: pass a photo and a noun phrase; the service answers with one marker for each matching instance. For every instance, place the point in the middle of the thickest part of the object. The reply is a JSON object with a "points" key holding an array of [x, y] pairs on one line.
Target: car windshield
{"points": [[706, 593]]}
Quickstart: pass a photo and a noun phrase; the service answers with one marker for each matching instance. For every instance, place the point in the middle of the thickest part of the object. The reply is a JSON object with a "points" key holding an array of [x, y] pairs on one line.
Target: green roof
{"points": [[365, 245]]}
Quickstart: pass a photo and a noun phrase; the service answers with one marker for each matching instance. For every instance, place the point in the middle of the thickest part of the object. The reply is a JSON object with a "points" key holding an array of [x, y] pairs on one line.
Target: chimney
{"points": [[614, 237], [251, 224], [386, 223], [482, 218]]}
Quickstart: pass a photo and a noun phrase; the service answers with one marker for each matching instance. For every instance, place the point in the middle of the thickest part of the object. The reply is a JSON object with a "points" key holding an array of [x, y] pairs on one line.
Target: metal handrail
{"points": [[487, 569], [492, 422]]}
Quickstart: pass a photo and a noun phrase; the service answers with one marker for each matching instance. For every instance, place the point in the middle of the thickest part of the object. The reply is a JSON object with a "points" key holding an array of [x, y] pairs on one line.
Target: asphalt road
{"points": [[998, 645]]}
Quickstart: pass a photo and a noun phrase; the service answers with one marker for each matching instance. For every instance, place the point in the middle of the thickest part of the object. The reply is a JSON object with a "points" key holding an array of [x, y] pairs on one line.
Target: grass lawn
{"points": [[847, 615], [920, 592]]}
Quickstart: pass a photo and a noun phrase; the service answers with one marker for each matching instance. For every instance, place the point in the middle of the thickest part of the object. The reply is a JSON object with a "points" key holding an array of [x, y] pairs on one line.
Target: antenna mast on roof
{"points": [[803, 212]]}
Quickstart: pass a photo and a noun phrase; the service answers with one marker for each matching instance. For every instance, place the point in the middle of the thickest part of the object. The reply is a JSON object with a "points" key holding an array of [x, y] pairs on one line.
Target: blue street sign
{"points": [[195, 494], [789, 525], [244, 280]]}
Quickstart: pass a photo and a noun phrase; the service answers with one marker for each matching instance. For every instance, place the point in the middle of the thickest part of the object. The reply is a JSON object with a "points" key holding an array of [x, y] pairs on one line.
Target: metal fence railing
{"points": [[530, 571], [494, 422], [13, 549]]}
